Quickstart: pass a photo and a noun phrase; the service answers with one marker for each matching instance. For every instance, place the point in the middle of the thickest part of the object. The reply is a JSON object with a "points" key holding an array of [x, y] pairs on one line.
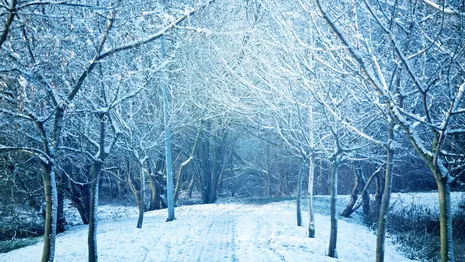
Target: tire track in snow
{"points": [[219, 243], [225, 249]]}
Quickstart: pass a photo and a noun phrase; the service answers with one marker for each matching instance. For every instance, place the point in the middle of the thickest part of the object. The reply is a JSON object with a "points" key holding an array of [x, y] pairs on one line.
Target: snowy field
{"points": [[216, 232]]}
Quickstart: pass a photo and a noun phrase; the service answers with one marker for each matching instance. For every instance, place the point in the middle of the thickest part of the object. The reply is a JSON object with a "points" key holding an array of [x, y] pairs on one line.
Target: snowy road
{"points": [[217, 232]]}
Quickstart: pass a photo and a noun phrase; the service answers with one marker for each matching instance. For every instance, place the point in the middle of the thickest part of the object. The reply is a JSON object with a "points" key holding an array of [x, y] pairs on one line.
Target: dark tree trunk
{"points": [[210, 161], [141, 199], [204, 179], [322, 182], [155, 183], [80, 196], [379, 190], [298, 197], [179, 180], [203, 189], [353, 196], [179, 177], [119, 186], [93, 216], [332, 252], [155, 197], [365, 195], [138, 190], [213, 190], [268, 174], [111, 188], [61, 220]]}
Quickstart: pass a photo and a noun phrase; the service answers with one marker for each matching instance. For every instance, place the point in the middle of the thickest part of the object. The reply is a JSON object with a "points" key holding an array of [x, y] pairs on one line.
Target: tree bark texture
{"points": [[168, 160], [141, 200], [93, 216], [332, 252], [384, 211], [311, 217], [353, 197], [51, 203], [298, 197], [445, 221]]}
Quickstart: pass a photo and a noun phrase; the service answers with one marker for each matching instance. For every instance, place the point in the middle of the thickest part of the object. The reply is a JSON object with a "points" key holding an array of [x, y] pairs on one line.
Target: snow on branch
{"points": [[100, 56], [63, 3], [447, 11], [94, 61], [31, 151], [154, 36], [356, 54], [18, 115], [8, 22]]}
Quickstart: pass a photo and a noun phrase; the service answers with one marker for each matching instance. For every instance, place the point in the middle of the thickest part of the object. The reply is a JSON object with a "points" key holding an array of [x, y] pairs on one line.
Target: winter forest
{"points": [[220, 130]]}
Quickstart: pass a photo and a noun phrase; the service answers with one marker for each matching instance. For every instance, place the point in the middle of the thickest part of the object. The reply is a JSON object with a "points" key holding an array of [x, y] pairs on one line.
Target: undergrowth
{"points": [[415, 229]]}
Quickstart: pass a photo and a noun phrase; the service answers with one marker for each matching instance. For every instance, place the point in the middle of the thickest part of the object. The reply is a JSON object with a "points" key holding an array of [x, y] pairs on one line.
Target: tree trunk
{"points": [[51, 203], [285, 184], [154, 194], [83, 204], [445, 220], [177, 188], [268, 184], [365, 195], [365, 200], [299, 193], [61, 220], [218, 164], [141, 200], [119, 187], [179, 175], [168, 161], [203, 187], [384, 211], [111, 188], [93, 216], [379, 190], [191, 186], [268, 174], [332, 252], [213, 184], [353, 196], [323, 183], [154, 183], [79, 195], [139, 194], [311, 218]]}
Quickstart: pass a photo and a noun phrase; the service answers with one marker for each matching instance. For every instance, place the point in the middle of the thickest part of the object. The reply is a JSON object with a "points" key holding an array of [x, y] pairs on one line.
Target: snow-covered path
{"points": [[217, 232]]}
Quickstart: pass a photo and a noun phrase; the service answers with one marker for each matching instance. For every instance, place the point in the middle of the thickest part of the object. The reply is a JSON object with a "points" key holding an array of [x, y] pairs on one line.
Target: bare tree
{"points": [[415, 99]]}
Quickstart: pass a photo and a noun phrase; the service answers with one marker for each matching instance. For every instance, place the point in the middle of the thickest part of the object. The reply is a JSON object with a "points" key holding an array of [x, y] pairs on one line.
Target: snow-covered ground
{"points": [[216, 232], [428, 200]]}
